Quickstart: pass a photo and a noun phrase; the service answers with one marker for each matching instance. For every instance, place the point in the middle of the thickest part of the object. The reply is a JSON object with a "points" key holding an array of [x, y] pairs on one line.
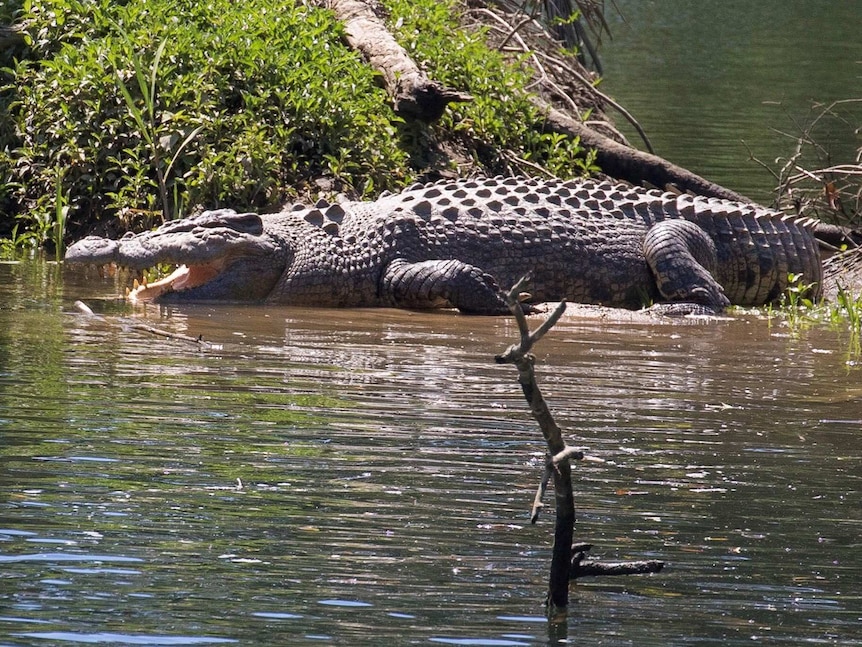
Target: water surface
{"points": [[357, 477], [713, 83]]}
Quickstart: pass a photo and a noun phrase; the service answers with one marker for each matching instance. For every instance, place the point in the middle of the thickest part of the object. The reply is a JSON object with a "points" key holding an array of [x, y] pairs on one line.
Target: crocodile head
{"points": [[221, 256]]}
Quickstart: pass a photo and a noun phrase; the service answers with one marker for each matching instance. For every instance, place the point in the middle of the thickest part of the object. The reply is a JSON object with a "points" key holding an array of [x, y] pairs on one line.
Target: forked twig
{"points": [[568, 559], [519, 355]]}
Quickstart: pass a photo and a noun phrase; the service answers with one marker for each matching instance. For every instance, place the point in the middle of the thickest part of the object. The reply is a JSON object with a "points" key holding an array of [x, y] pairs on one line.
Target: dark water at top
{"points": [[709, 80], [364, 477]]}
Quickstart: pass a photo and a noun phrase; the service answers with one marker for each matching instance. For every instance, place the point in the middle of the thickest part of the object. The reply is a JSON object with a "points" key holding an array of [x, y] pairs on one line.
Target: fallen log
{"points": [[414, 95], [630, 164]]}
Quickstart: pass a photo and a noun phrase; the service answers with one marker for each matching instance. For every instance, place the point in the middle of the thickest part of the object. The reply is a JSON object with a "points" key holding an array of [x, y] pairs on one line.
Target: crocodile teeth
{"points": [[183, 278], [146, 292]]}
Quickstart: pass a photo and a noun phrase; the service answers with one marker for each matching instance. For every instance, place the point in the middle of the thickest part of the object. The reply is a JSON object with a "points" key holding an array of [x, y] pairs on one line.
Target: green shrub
{"points": [[501, 117], [157, 104], [145, 109]]}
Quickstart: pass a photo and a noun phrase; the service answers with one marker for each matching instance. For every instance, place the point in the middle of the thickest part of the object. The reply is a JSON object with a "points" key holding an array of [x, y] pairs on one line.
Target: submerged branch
{"points": [[582, 567], [540, 492], [592, 568], [199, 340]]}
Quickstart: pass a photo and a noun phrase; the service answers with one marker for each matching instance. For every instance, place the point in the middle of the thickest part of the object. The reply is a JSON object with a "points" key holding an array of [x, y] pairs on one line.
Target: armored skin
{"points": [[459, 243]]}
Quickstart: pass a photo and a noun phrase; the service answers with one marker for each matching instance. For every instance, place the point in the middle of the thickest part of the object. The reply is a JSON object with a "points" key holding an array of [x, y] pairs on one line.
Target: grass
{"points": [[149, 122], [799, 313]]}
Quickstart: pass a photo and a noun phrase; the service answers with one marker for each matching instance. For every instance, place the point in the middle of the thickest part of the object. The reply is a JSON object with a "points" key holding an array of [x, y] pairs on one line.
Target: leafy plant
{"points": [[152, 108], [498, 126], [800, 313], [17, 242], [848, 309], [156, 106], [151, 124], [795, 302]]}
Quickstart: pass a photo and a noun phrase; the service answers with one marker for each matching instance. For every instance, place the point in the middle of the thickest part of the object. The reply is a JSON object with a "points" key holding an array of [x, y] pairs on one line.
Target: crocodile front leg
{"points": [[440, 284], [682, 258]]}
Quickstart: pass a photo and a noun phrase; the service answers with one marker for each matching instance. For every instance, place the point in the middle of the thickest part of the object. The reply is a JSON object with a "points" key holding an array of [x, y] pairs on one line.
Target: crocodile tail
{"points": [[757, 249], [809, 261]]}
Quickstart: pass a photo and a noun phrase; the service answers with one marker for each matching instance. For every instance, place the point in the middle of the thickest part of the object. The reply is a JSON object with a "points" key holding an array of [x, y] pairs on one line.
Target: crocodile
{"points": [[458, 243]]}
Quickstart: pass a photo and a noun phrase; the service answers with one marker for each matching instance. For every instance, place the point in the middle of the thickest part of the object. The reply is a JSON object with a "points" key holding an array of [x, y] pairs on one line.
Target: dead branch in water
{"points": [[199, 340], [568, 559], [811, 181], [582, 567], [519, 355]]}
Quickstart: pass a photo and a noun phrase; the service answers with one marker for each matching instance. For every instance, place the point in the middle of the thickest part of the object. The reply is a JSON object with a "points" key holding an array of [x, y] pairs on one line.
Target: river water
{"points": [[364, 477], [358, 476], [711, 81]]}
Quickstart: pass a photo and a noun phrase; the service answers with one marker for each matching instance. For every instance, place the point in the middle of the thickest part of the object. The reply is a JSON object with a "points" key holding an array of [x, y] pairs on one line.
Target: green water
{"points": [[359, 477], [711, 81]]}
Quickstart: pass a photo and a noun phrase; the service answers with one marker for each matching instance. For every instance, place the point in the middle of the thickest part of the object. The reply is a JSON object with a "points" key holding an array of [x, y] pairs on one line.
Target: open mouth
{"points": [[182, 278]]}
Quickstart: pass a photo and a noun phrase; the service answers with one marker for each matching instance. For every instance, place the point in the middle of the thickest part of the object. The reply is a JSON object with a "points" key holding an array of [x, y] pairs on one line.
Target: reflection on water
{"points": [[354, 476]]}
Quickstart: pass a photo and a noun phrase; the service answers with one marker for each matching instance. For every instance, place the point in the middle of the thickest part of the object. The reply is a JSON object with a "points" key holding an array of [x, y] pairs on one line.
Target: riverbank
{"points": [[126, 115], [121, 117]]}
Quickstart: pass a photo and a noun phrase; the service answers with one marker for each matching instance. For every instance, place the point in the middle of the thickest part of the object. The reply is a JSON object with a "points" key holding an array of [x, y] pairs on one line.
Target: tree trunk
{"points": [[629, 164], [414, 95]]}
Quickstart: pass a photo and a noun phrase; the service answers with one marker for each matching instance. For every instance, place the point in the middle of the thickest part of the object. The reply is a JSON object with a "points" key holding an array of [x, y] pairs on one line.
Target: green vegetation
{"points": [[152, 106], [501, 118], [799, 312], [136, 112]]}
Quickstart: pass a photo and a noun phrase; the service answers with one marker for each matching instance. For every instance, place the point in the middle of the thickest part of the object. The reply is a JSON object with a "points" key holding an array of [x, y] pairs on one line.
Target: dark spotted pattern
{"points": [[458, 243]]}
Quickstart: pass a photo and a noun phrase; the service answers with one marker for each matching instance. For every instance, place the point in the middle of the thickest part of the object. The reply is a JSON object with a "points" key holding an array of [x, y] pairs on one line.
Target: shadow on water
{"points": [[358, 476]]}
